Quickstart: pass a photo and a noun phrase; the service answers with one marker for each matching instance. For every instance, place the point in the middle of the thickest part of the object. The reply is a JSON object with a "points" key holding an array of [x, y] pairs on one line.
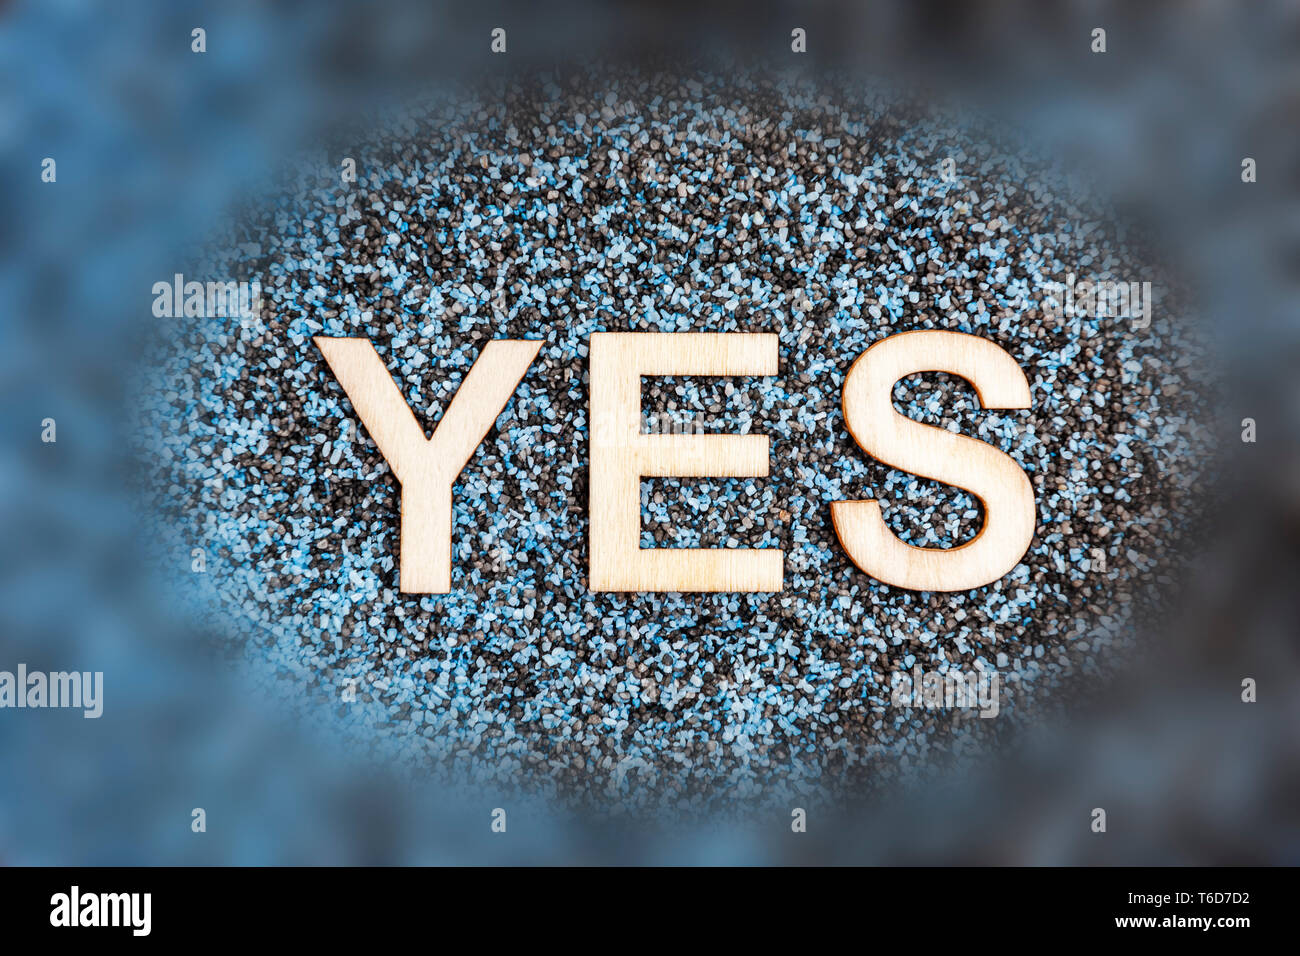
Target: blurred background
{"points": [[155, 146]]}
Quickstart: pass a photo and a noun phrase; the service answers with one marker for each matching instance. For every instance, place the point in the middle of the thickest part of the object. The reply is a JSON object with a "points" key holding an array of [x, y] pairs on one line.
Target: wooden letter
{"points": [[934, 453], [426, 468], [621, 456]]}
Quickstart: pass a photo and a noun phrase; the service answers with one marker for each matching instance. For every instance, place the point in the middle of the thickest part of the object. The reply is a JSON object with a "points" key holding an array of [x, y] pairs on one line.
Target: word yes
{"points": [[621, 456]]}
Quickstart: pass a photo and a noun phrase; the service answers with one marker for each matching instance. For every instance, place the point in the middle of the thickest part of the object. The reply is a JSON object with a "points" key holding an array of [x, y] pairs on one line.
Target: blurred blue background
{"points": [[156, 145]]}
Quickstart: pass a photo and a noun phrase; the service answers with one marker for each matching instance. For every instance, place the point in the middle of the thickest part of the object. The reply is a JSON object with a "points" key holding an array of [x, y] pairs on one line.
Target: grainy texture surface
{"points": [[657, 205]]}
